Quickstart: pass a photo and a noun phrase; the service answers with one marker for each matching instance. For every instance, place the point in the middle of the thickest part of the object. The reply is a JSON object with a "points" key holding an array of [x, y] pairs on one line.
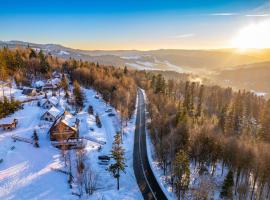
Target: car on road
{"points": [[111, 114], [108, 110], [104, 160]]}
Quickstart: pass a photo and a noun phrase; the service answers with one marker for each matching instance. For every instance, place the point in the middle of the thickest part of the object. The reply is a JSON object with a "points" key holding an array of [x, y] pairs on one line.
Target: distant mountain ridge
{"points": [[197, 61]]}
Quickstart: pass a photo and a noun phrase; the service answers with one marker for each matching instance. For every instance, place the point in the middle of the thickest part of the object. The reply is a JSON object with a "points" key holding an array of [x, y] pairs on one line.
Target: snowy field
{"points": [[27, 172]]}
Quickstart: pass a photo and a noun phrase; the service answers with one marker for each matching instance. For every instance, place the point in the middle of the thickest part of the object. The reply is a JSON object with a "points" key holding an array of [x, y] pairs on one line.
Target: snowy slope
{"points": [[26, 172]]}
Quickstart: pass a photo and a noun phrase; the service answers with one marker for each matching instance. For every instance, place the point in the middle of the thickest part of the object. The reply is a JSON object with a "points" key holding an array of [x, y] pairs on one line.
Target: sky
{"points": [[138, 24]]}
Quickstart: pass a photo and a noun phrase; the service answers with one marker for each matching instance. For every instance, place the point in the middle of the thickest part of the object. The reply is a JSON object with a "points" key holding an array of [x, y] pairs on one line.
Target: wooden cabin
{"points": [[8, 123], [65, 128]]}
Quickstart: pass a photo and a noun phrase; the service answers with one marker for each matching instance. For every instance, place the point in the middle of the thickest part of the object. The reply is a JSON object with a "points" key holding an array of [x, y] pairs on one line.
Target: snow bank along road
{"points": [[145, 178]]}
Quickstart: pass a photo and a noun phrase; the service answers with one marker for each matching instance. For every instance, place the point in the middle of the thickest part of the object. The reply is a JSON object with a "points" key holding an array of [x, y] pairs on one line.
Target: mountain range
{"points": [[229, 67]]}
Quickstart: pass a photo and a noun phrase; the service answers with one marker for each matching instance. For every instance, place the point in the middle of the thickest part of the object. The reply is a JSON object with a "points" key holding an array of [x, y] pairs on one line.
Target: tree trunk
{"points": [[118, 179], [237, 180], [253, 187], [261, 190]]}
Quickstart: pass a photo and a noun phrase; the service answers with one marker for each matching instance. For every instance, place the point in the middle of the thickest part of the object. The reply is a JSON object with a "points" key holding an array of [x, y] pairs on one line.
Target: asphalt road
{"points": [[146, 180]]}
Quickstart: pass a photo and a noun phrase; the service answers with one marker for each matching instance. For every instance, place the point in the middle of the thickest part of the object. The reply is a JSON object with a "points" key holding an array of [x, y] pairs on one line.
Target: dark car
{"points": [[111, 114], [104, 160], [109, 110]]}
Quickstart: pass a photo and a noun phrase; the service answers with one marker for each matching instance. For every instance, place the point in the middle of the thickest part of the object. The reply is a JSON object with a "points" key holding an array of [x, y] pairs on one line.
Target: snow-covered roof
{"points": [[39, 84], [54, 81], [7, 120], [53, 111], [70, 121], [53, 100]]}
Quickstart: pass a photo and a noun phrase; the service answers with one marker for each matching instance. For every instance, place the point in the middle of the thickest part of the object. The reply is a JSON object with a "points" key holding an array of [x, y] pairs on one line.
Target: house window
{"points": [[46, 118], [51, 119]]}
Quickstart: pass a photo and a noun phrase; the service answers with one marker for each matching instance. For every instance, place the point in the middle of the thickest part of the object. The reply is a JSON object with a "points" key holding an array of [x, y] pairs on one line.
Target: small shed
{"points": [[29, 91], [52, 114]]}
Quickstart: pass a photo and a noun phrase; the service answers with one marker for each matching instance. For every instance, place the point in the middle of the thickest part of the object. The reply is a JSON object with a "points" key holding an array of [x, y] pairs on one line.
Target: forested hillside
{"points": [[25, 65], [197, 126], [192, 125]]}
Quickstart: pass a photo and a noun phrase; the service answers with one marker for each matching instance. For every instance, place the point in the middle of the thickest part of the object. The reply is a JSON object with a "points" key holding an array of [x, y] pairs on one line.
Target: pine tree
{"points": [[118, 156], [90, 110], [160, 84], [181, 172], [35, 139], [64, 85], [187, 97], [200, 102], [79, 98], [226, 191], [32, 54], [125, 70], [266, 122], [44, 65]]}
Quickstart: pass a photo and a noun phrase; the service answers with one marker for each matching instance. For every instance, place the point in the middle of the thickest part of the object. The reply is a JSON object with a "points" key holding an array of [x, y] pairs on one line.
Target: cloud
{"points": [[257, 15], [223, 14], [187, 35]]}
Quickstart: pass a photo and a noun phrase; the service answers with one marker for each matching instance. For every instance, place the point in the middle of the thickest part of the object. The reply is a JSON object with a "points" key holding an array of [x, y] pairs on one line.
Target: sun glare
{"points": [[256, 35]]}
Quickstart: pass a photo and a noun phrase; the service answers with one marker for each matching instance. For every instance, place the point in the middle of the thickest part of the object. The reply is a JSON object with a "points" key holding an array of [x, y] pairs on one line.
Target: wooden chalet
{"points": [[65, 128], [8, 123]]}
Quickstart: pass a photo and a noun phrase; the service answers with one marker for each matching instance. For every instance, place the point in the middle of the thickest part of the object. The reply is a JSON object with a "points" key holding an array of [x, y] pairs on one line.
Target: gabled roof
{"points": [[70, 121], [53, 111], [53, 100], [54, 81], [7, 120], [39, 84]]}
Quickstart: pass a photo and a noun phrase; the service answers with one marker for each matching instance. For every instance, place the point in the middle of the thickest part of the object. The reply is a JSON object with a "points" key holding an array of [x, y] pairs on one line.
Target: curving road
{"points": [[146, 180]]}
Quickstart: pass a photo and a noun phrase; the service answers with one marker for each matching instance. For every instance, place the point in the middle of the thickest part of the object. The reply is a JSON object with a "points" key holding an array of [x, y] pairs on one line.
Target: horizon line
{"points": [[154, 49]]}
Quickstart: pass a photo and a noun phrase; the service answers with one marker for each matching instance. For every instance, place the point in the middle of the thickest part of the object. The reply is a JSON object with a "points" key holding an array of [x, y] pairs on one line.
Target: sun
{"points": [[255, 35]]}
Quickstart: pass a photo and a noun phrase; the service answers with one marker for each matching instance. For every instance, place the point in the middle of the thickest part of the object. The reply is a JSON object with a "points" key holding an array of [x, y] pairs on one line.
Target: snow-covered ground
{"points": [[27, 172], [13, 92], [128, 185], [155, 65]]}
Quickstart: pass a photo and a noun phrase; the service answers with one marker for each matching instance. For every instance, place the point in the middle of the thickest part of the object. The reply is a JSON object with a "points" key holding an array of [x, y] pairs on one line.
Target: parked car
{"points": [[96, 96], [104, 160], [104, 157], [111, 114], [108, 110]]}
